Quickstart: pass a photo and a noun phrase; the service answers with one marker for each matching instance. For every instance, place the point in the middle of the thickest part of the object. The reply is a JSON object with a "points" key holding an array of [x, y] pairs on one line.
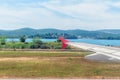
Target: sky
{"points": [[60, 14]]}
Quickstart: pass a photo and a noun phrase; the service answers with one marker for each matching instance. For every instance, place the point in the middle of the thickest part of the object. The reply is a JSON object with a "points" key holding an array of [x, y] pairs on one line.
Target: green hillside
{"points": [[54, 33], [113, 31]]}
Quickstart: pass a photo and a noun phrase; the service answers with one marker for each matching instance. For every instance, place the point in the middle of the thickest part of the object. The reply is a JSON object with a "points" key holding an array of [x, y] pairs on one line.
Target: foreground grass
{"points": [[42, 54], [55, 65]]}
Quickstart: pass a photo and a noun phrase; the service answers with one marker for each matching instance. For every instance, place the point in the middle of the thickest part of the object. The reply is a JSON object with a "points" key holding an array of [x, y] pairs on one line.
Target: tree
{"points": [[2, 40], [36, 43], [58, 40], [23, 39]]}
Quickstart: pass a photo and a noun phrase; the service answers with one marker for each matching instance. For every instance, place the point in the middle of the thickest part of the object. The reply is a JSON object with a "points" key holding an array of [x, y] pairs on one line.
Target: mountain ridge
{"points": [[54, 33]]}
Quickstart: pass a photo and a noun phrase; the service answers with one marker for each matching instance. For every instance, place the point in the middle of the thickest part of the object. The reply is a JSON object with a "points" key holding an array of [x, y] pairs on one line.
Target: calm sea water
{"points": [[91, 41]]}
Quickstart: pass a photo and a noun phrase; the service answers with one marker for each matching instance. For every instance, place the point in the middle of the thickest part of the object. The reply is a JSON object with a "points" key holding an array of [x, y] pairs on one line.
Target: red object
{"points": [[64, 45]]}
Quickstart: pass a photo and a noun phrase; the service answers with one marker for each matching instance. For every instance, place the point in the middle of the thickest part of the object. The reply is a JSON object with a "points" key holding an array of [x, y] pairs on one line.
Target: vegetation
{"points": [[23, 39], [52, 64], [69, 34], [2, 40], [35, 44], [54, 36]]}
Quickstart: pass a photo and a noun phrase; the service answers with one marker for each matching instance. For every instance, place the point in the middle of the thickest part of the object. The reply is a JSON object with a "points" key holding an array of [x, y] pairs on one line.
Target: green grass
{"points": [[41, 54], [55, 65]]}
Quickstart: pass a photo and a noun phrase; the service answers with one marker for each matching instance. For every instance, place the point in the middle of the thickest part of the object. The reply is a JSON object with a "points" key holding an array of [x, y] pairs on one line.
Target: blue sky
{"points": [[60, 14]]}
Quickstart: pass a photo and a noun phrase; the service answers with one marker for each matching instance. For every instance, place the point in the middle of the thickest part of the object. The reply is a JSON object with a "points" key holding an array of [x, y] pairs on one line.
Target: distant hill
{"points": [[113, 31], [54, 33]]}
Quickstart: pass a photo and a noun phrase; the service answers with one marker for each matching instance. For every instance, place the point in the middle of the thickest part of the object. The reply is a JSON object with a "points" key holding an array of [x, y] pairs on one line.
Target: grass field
{"points": [[53, 64]]}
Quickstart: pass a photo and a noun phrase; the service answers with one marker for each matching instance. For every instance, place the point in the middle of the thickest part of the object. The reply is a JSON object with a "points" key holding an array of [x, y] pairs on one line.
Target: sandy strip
{"points": [[18, 59], [35, 58]]}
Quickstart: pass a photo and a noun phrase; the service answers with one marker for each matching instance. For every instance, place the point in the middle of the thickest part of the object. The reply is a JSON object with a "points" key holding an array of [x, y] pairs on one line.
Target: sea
{"points": [[90, 41]]}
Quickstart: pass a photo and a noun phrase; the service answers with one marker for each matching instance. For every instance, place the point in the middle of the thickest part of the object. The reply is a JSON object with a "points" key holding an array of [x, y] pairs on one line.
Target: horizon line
{"points": [[58, 29]]}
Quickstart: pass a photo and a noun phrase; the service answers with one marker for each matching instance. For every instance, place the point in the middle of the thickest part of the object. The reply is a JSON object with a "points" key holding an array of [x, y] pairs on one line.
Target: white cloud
{"points": [[90, 10], [83, 14], [114, 4]]}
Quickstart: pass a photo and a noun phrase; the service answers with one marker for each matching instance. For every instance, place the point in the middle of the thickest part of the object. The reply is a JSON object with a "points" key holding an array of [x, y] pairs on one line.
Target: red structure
{"points": [[64, 45]]}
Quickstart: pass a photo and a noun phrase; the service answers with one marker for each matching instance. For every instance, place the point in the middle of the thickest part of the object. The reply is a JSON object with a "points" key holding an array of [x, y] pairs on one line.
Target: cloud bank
{"points": [[60, 14]]}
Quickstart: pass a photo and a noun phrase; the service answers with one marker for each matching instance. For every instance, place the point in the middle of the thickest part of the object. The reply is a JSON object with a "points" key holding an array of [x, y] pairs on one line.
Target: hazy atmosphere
{"points": [[60, 14]]}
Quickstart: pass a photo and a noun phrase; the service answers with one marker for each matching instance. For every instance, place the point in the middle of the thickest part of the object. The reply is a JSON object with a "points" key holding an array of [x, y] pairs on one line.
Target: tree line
{"points": [[54, 35]]}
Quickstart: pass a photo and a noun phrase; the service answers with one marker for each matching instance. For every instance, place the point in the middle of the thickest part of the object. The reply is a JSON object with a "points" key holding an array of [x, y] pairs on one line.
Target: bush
{"points": [[23, 39], [36, 44], [2, 40]]}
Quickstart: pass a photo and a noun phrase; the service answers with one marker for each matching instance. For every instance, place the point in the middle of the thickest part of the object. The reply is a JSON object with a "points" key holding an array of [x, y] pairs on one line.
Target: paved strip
{"points": [[105, 53]]}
